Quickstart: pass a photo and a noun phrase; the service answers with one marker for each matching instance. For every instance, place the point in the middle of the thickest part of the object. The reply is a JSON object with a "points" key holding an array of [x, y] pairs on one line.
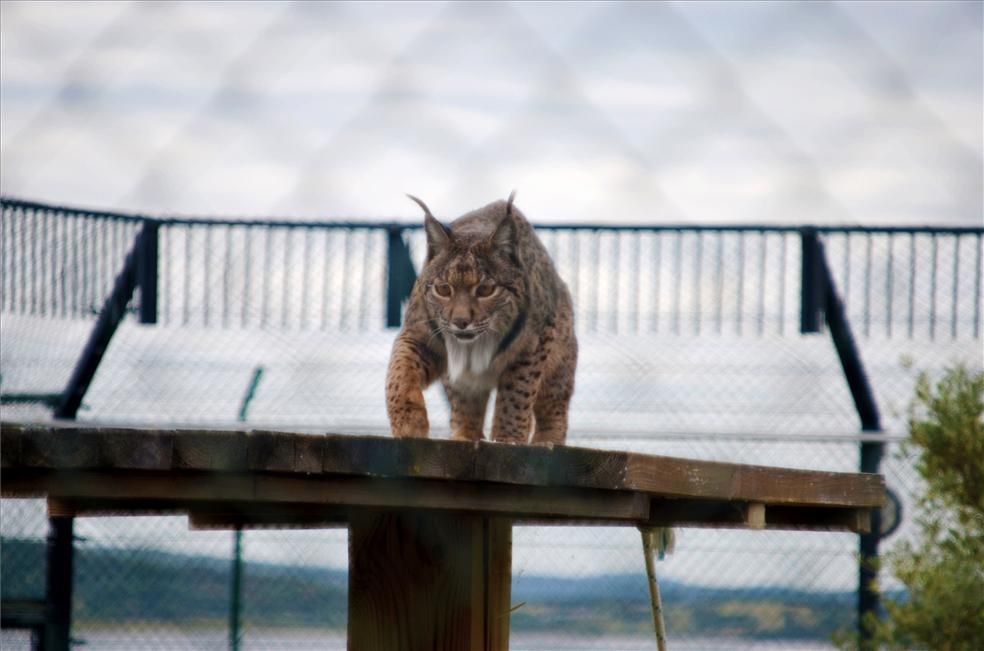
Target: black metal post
{"points": [[400, 275], [147, 271], [58, 601], [813, 290], [139, 267], [818, 283], [236, 589], [110, 316], [871, 451]]}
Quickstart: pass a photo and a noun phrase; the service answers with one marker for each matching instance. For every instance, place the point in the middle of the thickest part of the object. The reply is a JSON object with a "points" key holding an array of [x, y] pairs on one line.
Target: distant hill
{"points": [[117, 586]]}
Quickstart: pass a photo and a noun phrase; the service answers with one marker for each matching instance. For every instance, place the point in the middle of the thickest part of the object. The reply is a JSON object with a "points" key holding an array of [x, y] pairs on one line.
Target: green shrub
{"points": [[943, 568]]}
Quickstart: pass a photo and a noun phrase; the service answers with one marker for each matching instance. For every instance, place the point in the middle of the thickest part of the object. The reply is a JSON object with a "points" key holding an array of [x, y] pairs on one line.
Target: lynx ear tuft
{"points": [[422, 205], [438, 235], [504, 237]]}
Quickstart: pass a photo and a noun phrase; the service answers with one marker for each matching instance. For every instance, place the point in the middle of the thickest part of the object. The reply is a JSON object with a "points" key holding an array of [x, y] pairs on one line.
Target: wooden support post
{"points": [[755, 515], [429, 581]]}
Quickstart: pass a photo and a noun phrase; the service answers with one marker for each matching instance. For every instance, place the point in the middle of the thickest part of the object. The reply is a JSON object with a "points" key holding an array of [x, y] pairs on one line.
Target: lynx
{"points": [[488, 311]]}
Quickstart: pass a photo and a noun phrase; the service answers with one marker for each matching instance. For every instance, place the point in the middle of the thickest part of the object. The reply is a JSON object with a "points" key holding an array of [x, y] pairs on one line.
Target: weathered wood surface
{"points": [[100, 468], [420, 580]]}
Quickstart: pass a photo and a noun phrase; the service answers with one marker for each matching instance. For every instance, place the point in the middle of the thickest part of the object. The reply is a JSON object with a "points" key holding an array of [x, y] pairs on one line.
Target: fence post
{"points": [[812, 289], [400, 275], [235, 589], [819, 296], [61, 550], [147, 271], [58, 588], [110, 316]]}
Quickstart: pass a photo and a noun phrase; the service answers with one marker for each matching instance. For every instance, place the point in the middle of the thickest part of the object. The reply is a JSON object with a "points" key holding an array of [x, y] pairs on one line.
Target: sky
{"points": [[689, 112]]}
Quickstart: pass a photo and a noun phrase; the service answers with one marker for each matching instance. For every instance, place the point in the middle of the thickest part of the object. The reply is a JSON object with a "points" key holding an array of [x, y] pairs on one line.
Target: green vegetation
{"points": [[943, 568]]}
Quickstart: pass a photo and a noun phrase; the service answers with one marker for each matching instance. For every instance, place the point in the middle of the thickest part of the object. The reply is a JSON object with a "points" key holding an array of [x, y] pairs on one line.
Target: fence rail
{"points": [[349, 275]]}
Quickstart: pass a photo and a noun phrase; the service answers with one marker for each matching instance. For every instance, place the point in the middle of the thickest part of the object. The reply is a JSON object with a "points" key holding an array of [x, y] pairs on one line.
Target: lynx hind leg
{"points": [[410, 372], [514, 403], [551, 407], [554, 398], [467, 412]]}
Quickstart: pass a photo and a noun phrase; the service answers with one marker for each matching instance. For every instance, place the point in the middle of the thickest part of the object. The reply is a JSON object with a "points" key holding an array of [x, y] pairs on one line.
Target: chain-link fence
{"points": [[601, 114], [691, 346]]}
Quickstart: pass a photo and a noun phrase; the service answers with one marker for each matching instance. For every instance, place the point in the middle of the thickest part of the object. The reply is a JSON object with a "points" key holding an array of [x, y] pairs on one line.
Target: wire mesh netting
{"points": [[659, 117], [307, 304], [691, 346]]}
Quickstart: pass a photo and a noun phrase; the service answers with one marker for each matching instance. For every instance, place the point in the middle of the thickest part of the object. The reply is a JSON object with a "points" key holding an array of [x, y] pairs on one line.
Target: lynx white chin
{"points": [[469, 362]]}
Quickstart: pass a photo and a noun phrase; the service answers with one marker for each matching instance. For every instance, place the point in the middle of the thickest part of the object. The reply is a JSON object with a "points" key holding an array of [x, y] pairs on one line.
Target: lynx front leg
{"points": [[514, 403], [467, 412], [412, 368]]}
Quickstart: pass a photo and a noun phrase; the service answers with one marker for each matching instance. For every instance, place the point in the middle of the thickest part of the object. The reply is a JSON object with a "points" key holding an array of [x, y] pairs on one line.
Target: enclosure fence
{"points": [[697, 341]]}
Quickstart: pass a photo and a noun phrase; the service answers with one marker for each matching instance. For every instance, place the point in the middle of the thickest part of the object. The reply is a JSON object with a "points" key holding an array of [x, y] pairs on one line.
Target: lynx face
{"points": [[473, 296]]}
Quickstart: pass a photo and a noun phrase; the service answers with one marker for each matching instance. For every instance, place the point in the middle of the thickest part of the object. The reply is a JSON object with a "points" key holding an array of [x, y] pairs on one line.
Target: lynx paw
{"points": [[410, 421], [466, 434]]}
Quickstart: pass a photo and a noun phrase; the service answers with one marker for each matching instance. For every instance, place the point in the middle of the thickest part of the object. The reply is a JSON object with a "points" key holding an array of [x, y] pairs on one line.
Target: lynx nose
{"points": [[460, 323]]}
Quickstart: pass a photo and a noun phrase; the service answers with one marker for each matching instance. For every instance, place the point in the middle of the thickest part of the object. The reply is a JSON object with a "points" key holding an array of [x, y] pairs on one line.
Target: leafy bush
{"points": [[943, 569]]}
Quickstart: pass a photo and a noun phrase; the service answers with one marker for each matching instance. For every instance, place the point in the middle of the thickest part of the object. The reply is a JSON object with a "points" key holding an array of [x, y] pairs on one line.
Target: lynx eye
{"points": [[485, 290], [442, 289]]}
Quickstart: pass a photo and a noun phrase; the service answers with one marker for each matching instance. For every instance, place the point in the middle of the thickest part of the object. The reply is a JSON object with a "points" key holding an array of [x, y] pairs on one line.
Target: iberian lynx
{"points": [[488, 311]]}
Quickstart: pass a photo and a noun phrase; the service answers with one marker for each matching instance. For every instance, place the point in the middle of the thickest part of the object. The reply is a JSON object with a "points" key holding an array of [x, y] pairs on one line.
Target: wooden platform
{"points": [[431, 516]]}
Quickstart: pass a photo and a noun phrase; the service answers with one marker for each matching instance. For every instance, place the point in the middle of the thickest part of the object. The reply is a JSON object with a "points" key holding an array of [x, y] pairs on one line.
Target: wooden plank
{"points": [[519, 465], [425, 581], [743, 515], [309, 454], [134, 487], [271, 451], [96, 507], [690, 478], [410, 457], [516, 501], [209, 450], [267, 516], [190, 488], [288, 501]]}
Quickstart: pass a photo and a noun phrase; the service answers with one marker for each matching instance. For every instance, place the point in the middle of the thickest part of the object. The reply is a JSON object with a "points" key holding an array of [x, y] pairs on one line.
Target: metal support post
{"points": [[110, 316], [820, 296], [400, 276], [58, 589]]}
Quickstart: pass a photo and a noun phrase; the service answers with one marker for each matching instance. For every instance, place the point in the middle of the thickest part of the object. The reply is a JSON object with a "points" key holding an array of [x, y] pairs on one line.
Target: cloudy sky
{"points": [[644, 112]]}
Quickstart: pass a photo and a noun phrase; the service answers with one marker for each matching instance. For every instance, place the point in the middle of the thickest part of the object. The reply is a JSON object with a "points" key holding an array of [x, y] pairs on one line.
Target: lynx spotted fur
{"points": [[488, 311]]}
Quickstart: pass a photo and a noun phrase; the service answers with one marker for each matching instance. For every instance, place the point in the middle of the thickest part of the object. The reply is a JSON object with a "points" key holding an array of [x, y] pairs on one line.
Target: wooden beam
{"points": [[217, 508], [428, 581], [79, 447], [147, 491]]}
